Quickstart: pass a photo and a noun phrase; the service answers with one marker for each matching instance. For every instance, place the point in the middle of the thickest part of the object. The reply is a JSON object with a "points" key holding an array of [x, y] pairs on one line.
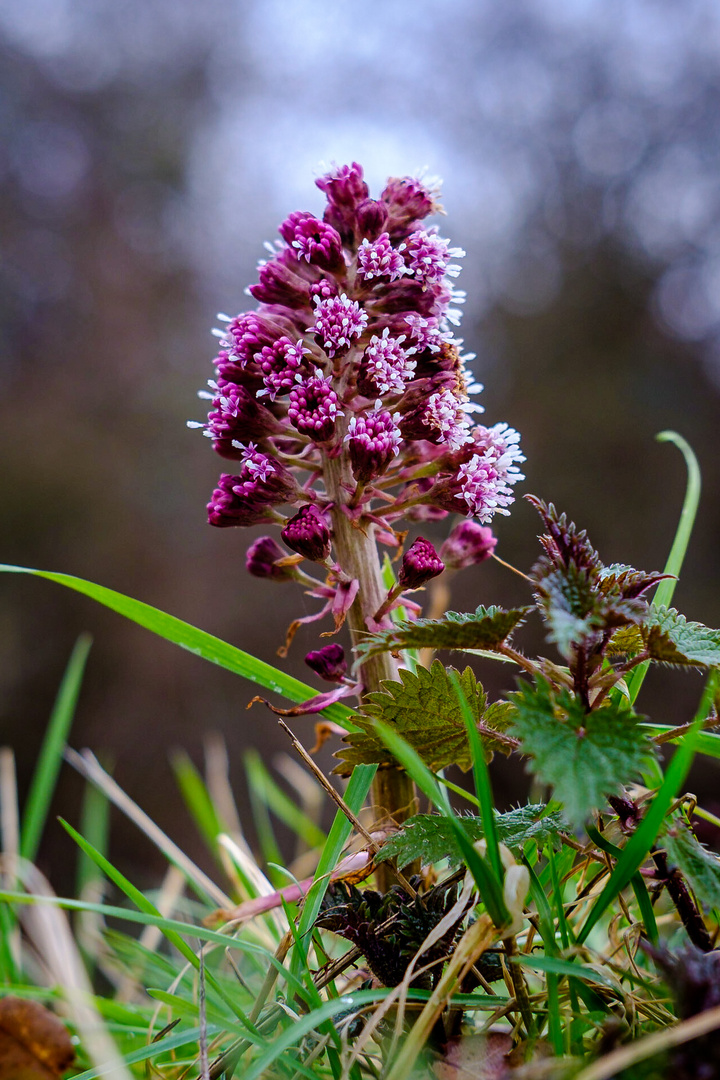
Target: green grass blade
{"points": [[143, 904], [481, 777], [197, 799], [487, 881], [665, 589], [189, 637], [46, 772], [170, 1042], [638, 885], [639, 844], [95, 827], [355, 796], [280, 802], [707, 743]]}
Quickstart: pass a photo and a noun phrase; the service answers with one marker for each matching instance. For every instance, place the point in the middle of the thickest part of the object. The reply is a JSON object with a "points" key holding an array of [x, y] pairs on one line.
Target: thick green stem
{"points": [[393, 792]]}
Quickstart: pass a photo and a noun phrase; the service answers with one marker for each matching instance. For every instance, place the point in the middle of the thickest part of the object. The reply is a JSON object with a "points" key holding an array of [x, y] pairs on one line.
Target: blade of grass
{"points": [[355, 796], [638, 885], [46, 772], [191, 638], [197, 799], [143, 904], [481, 776], [665, 589], [95, 826], [636, 850], [487, 881], [281, 804]]}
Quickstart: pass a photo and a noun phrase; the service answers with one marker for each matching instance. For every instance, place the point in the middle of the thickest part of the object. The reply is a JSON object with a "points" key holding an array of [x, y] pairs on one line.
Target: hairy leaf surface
{"points": [[585, 756], [485, 628], [671, 639], [430, 837], [424, 709], [700, 866]]}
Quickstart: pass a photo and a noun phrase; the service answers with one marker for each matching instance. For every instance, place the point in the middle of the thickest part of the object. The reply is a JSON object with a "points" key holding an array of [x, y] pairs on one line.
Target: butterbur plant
{"points": [[573, 937], [346, 399]]}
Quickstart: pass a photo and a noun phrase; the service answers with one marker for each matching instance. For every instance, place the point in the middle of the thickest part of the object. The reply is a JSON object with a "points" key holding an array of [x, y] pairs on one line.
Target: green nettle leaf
{"points": [[430, 837], [485, 628], [699, 866], [671, 639], [627, 641], [585, 756], [424, 709], [572, 607]]}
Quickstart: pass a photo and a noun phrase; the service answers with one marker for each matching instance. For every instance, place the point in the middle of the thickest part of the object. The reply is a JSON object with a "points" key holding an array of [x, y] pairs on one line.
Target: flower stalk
{"points": [[345, 398]]}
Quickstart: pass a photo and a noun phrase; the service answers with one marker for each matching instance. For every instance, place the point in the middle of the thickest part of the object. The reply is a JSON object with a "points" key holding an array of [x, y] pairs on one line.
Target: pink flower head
{"points": [[308, 535], [280, 284], [467, 545], [420, 564], [262, 560], [279, 364], [380, 260], [428, 256], [235, 415], [314, 408], [248, 499], [426, 334], [345, 189], [385, 366], [436, 416], [248, 333], [481, 487], [314, 241], [338, 322], [408, 201], [329, 662], [374, 440]]}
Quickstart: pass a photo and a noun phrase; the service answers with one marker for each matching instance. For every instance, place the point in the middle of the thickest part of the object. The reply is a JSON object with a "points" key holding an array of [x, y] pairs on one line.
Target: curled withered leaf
{"points": [[34, 1044]]}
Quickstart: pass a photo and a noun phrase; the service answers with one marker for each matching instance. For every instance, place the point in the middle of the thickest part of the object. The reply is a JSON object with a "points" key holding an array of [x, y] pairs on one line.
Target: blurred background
{"points": [[146, 152]]}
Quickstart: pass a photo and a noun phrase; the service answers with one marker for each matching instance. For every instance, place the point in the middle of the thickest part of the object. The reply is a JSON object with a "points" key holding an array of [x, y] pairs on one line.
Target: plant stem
{"points": [[393, 792]]}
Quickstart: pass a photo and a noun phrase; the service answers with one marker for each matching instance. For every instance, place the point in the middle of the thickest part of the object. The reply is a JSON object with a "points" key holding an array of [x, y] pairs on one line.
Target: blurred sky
{"points": [[147, 149]]}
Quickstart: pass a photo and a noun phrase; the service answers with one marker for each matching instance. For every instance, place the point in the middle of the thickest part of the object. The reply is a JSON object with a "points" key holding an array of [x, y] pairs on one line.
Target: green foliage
{"points": [[696, 863], [424, 709], [585, 755], [671, 639], [431, 838], [485, 628], [578, 596]]}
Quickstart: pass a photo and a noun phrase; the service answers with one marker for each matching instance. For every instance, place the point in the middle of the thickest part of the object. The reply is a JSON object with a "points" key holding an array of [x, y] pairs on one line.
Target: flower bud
{"points": [[329, 662], [262, 557], [420, 564], [314, 241], [467, 544], [374, 440], [371, 217], [308, 534]]}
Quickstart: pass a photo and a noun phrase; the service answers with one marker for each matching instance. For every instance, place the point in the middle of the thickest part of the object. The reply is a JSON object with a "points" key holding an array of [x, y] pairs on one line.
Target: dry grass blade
{"points": [[373, 844], [89, 767], [611, 1064], [151, 936], [49, 931]]}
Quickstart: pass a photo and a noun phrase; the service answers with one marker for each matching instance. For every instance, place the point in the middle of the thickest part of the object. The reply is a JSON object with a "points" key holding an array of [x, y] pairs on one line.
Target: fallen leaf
{"points": [[476, 1057], [34, 1044]]}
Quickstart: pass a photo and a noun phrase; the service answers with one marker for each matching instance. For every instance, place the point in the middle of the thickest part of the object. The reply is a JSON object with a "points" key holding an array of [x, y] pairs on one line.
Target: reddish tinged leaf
{"points": [[312, 705], [34, 1044], [476, 1057]]}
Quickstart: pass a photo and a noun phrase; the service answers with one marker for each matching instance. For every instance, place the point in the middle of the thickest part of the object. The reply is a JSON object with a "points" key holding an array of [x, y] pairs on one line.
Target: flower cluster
{"points": [[345, 394]]}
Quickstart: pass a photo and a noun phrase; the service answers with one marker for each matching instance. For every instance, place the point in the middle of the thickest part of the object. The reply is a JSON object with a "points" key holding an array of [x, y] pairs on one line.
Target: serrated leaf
{"points": [[629, 582], [699, 866], [424, 709], [585, 756], [626, 641], [572, 607], [671, 639], [430, 837], [564, 544], [485, 628]]}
